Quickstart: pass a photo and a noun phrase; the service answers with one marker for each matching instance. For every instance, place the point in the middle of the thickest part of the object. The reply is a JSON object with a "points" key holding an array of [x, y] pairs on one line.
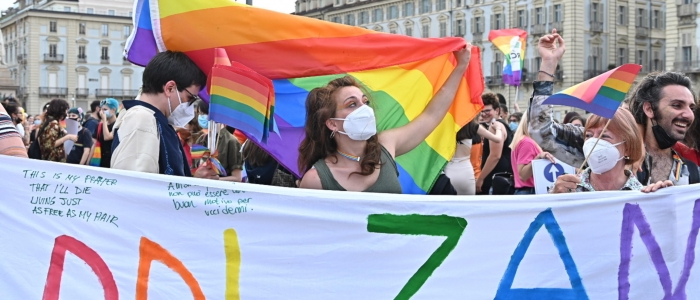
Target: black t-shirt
{"points": [[84, 141], [503, 165], [106, 146], [91, 124]]}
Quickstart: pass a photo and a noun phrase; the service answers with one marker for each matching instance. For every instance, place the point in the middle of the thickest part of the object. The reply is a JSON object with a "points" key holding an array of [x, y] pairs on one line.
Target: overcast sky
{"points": [[285, 6]]}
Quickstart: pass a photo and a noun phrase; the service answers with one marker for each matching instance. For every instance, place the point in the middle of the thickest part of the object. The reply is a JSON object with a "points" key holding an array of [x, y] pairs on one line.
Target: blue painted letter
{"points": [[577, 292]]}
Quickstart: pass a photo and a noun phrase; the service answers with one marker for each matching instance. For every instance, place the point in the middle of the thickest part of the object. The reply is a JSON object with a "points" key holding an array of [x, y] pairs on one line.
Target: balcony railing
{"points": [[53, 91], [596, 26], [116, 93], [588, 74], [104, 60], [82, 58], [642, 32], [687, 10], [559, 76], [687, 66], [530, 77], [125, 61], [477, 37], [494, 80], [558, 25], [539, 29], [52, 57], [82, 92], [21, 58], [21, 92]]}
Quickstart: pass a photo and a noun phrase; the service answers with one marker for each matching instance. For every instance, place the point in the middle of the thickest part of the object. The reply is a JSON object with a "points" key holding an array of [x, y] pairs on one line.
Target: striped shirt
{"points": [[7, 127], [10, 140]]}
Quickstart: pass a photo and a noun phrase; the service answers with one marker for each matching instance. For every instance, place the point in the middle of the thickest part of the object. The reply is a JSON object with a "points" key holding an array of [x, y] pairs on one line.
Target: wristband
{"points": [[550, 75]]}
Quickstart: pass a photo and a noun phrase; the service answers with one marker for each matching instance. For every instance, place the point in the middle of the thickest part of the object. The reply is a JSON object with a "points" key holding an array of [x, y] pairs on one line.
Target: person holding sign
{"points": [[342, 150], [525, 150], [661, 104]]}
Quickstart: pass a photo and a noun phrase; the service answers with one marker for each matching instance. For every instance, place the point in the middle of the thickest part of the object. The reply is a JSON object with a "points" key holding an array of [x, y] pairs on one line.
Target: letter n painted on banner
{"points": [[634, 216], [577, 292], [150, 251], [64, 244]]}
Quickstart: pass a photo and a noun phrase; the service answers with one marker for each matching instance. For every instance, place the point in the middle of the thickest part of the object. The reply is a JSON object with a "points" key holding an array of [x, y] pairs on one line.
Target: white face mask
{"points": [[604, 157], [360, 124], [183, 113]]}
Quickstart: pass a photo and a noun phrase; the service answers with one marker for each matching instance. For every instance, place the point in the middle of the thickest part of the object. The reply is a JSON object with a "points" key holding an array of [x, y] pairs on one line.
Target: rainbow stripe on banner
{"points": [[601, 95], [300, 53], [512, 43]]}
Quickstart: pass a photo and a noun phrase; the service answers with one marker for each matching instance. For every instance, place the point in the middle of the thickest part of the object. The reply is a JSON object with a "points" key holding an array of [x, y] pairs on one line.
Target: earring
{"points": [[332, 133], [626, 157]]}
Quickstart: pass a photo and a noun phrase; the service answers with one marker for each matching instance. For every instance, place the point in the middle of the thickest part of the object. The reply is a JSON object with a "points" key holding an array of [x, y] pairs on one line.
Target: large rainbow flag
{"points": [[512, 43], [300, 53], [601, 95]]}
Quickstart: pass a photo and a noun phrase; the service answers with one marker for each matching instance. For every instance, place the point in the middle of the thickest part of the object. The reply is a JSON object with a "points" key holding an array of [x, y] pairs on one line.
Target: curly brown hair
{"points": [[318, 143]]}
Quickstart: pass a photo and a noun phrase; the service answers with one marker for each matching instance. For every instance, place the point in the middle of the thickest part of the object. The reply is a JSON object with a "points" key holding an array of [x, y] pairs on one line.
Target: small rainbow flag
{"points": [[601, 95], [198, 151], [512, 43], [240, 97]]}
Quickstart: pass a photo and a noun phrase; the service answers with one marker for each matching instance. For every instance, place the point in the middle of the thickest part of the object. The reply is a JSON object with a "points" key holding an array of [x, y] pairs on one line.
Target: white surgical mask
{"points": [[360, 124], [604, 157], [183, 113]]}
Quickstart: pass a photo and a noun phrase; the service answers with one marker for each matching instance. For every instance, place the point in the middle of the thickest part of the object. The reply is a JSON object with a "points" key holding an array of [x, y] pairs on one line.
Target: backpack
{"points": [[503, 184], [443, 186], [693, 176], [34, 151]]}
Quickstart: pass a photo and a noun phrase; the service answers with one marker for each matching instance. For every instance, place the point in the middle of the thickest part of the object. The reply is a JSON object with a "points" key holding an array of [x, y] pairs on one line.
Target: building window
{"points": [[657, 19], [539, 15], [81, 53], [378, 15], [409, 31], [335, 19], [52, 26], [622, 15], [105, 30], [498, 21], [131, 14], [350, 19], [426, 31], [443, 29], [477, 25], [640, 57], [66, 9], [640, 17], [393, 12], [621, 56], [558, 14], [91, 10], [364, 17], [458, 3], [127, 30], [687, 54], [408, 9], [81, 28], [442, 4], [521, 19], [392, 30], [53, 50], [105, 53], [426, 6], [460, 27], [110, 12]]}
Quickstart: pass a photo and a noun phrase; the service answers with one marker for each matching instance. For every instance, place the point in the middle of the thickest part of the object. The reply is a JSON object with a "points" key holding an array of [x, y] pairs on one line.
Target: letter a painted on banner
{"points": [[577, 292], [150, 251], [66, 243], [633, 216]]}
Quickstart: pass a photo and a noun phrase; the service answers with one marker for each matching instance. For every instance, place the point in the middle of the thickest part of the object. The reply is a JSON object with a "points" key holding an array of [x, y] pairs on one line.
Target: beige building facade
{"points": [[658, 34], [70, 50]]}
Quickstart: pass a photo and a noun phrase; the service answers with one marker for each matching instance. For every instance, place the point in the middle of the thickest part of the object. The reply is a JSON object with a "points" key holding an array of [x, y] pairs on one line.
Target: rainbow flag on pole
{"points": [[299, 54], [512, 43], [601, 95]]}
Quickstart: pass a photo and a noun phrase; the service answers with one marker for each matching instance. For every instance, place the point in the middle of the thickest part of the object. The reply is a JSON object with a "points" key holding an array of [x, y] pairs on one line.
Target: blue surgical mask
{"points": [[513, 126], [107, 113], [37, 122], [203, 121]]}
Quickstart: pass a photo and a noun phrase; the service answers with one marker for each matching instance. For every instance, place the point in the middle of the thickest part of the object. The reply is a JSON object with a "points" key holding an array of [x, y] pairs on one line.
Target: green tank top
{"points": [[387, 182]]}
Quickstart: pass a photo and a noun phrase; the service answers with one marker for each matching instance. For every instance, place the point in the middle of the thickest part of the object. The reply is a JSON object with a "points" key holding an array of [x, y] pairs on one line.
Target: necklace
{"points": [[348, 156]]}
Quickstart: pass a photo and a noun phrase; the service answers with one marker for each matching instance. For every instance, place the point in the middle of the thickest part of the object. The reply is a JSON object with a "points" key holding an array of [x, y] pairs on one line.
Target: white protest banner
{"points": [[76, 232], [545, 173]]}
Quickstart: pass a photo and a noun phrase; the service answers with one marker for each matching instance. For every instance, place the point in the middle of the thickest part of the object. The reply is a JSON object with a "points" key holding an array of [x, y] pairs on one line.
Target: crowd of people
{"points": [[651, 142]]}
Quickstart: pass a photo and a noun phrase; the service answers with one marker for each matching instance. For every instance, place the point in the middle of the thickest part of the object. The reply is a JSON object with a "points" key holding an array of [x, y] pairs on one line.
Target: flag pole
{"points": [[517, 90], [596, 143]]}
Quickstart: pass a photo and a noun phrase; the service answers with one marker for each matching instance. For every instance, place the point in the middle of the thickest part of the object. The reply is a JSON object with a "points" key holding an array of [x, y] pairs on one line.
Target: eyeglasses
{"points": [[486, 111], [193, 97]]}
